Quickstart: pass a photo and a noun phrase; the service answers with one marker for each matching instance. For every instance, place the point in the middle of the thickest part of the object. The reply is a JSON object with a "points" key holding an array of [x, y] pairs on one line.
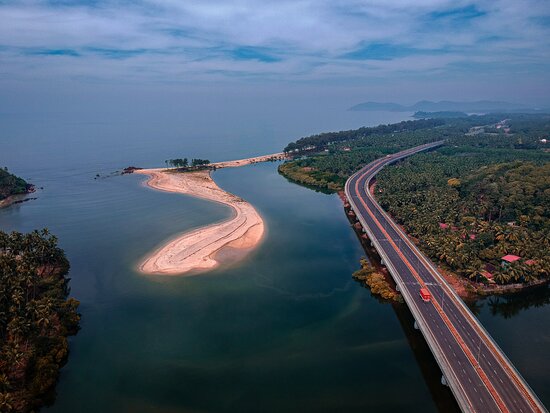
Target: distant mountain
{"points": [[481, 106]]}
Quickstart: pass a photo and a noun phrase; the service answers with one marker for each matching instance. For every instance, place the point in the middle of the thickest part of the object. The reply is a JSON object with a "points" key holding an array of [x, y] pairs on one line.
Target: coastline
{"points": [[207, 247], [18, 198], [466, 289]]}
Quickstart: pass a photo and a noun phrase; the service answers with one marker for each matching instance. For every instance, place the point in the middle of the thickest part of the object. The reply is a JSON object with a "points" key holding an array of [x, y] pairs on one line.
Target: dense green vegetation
{"points": [[483, 195], [325, 161], [11, 184], [184, 163], [321, 141], [438, 115], [35, 319], [339, 159], [470, 208]]}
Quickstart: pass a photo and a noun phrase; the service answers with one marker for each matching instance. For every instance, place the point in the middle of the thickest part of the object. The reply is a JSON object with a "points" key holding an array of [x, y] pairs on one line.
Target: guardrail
{"points": [[439, 355]]}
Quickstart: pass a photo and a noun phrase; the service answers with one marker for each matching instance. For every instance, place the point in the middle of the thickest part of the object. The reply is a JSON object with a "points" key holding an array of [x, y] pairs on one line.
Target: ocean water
{"points": [[287, 329]]}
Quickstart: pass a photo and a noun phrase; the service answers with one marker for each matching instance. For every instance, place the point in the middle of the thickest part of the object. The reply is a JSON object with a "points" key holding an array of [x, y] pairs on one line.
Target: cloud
{"points": [[53, 52], [307, 40]]}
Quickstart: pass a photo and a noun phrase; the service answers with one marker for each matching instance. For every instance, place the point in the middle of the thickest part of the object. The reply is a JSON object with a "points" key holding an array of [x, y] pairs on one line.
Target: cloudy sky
{"points": [[376, 49]]}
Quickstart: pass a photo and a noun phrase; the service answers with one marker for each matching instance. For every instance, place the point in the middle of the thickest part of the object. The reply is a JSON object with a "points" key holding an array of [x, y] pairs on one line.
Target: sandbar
{"points": [[201, 249]]}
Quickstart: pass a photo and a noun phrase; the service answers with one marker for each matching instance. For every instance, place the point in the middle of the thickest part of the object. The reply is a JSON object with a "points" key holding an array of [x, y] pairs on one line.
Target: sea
{"points": [[286, 329]]}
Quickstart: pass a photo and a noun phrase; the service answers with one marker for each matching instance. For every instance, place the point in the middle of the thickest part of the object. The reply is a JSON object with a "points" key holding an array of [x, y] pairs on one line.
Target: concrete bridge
{"points": [[477, 371]]}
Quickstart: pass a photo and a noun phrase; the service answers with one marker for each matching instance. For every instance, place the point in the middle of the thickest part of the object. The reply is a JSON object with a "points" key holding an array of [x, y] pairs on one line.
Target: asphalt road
{"points": [[477, 371]]}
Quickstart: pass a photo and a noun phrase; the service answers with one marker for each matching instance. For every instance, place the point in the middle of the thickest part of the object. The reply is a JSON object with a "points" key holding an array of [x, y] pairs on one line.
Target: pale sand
{"points": [[196, 250], [241, 162]]}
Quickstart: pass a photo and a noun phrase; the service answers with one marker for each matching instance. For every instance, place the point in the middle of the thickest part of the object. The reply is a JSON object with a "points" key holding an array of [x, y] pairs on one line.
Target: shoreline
{"points": [[466, 289], [207, 247], [18, 198]]}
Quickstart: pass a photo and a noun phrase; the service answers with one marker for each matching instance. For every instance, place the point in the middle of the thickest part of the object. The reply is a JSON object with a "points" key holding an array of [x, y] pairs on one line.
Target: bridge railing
{"points": [[489, 340]]}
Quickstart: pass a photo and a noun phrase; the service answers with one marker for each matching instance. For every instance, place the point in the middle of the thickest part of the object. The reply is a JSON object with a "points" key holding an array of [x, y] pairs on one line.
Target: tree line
{"points": [[12, 185], [184, 163], [35, 318]]}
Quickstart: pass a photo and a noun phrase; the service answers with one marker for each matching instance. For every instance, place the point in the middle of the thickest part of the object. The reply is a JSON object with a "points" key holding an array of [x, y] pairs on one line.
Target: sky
{"points": [[85, 52]]}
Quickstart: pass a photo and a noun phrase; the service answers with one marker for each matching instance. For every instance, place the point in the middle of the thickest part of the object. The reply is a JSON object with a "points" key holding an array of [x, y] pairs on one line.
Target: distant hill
{"points": [[481, 106]]}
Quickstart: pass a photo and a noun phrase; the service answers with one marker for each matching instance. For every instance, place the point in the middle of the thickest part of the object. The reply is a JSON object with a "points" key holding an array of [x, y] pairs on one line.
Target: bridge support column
{"points": [[382, 261], [416, 325], [444, 381]]}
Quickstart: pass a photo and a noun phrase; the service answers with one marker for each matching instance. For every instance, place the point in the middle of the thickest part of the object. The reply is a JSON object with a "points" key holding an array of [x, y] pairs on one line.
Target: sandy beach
{"points": [[241, 162], [204, 248]]}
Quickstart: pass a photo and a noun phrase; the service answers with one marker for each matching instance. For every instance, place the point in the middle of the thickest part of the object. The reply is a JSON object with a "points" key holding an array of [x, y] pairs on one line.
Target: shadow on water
{"points": [[508, 306], [442, 396]]}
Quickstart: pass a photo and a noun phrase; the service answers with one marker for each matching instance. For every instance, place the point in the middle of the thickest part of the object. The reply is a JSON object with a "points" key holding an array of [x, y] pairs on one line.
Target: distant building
{"points": [[508, 259]]}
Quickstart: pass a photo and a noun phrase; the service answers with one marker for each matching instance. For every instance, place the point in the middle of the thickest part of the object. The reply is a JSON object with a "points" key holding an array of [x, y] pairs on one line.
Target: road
{"points": [[479, 374]]}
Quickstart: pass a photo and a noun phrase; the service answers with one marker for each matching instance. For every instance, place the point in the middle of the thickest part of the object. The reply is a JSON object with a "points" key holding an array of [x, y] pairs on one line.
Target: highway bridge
{"points": [[477, 371]]}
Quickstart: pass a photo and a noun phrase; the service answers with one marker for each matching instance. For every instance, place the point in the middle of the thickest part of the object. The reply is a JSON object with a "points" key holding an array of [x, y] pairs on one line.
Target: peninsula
{"points": [[207, 247], [12, 188], [476, 205]]}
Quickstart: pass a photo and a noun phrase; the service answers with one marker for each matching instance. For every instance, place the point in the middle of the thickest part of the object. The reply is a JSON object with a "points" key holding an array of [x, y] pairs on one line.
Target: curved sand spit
{"points": [[196, 250]]}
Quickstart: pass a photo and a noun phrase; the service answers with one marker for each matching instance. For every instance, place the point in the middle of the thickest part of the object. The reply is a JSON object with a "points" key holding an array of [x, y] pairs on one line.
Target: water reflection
{"points": [[508, 306]]}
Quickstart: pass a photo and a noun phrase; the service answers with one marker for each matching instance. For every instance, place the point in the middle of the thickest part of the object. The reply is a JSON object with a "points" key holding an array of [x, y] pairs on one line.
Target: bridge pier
{"points": [[444, 380], [416, 325]]}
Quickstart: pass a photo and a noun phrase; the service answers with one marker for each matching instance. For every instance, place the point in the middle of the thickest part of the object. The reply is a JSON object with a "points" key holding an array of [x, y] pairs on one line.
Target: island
{"points": [[207, 247], [35, 319], [12, 188], [477, 205]]}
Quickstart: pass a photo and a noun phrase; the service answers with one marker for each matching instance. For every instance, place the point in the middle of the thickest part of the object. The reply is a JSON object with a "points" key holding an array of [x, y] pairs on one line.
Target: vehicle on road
{"points": [[425, 294]]}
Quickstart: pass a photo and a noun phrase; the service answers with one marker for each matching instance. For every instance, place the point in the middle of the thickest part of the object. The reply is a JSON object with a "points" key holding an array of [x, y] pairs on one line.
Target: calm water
{"points": [[287, 329]]}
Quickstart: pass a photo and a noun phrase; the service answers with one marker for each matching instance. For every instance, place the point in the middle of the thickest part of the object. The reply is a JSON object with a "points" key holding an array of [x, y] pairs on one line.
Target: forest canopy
{"points": [[481, 196], [35, 319], [11, 184]]}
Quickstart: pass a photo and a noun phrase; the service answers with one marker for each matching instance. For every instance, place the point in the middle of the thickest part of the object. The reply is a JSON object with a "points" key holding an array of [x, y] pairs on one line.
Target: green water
{"points": [[285, 330]]}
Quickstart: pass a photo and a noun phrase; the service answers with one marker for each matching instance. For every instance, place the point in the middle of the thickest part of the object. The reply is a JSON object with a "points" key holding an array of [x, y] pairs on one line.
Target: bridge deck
{"points": [[479, 374]]}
